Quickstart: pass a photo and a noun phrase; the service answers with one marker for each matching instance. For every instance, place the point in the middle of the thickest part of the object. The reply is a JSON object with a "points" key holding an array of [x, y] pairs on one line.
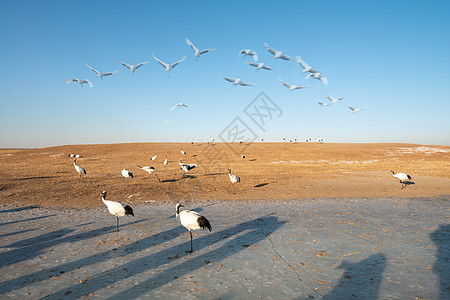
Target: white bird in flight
{"points": [[354, 109], [197, 52], [259, 66], [168, 67], [291, 87], [80, 81], [334, 100], [181, 104], [249, 52], [324, 104], [133, 68], [318, 76], [237, 81], [100, 74], [167, 121], [276, 53], [305, 66]]}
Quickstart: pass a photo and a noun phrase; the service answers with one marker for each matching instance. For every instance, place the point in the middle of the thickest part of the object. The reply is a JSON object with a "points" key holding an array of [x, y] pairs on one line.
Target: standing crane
{"points": [[191, 220]]}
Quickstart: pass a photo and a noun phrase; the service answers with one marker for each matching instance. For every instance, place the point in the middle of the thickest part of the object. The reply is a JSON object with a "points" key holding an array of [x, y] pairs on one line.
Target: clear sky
{"points": [[389, 57]]}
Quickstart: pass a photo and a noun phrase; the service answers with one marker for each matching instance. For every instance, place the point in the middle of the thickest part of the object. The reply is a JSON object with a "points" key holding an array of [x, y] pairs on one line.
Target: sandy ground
{"points": [[46, 176], [373, 248]]}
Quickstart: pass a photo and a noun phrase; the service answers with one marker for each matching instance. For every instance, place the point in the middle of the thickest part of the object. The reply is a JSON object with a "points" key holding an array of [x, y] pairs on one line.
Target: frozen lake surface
{"points": [[373, 248]]}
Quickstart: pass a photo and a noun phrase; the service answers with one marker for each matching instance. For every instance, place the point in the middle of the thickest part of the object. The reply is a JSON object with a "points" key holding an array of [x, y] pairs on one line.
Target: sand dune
{"points": [[47, 177]]}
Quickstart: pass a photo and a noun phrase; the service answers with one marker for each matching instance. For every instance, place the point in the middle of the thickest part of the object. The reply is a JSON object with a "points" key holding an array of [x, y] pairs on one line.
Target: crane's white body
{"points": [[324, 104], [260, 65], [191, 220], [401, 176], [126, 173], [182, 152], [149, 170], [249, 52], [277, 54], [133, 68], [75, 155], [291, 87], [197, 52], [166, 161], [80, 81], [167, 66], [154, 157], [78, 168], [237, 81], [100, 74], [234, 179]]}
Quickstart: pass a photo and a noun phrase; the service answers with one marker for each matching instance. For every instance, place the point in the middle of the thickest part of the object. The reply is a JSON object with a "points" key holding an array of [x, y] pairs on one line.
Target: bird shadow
{"points": [[101, 257], [238, 238], [17, 209], [360, 280], [26, 220], [29, 248], [169, 180], [261, 185], [254, 159], [441, 238], [35, 177], [406, 183], [214, 174]]}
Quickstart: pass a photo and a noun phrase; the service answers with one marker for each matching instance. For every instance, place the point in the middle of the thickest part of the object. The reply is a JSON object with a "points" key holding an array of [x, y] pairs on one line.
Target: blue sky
{"points": [[389, 57]]}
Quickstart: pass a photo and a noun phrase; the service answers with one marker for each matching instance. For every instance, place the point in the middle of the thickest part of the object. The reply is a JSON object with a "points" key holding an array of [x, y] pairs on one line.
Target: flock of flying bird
{"points": [[312, 73], [191, 220]]}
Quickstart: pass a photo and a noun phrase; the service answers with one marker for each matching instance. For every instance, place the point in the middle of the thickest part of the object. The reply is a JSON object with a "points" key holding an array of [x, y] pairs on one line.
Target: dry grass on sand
{"points": [[47, 176]]}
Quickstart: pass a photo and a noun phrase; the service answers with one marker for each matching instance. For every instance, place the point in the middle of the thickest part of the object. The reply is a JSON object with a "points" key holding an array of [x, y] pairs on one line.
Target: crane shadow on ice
{"points": [[147, 267]]}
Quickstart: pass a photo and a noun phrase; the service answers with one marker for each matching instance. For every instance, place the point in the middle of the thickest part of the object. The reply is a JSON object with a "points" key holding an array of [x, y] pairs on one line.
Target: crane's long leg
{"points": [[157, 176], [190, 234], [117, 225]]}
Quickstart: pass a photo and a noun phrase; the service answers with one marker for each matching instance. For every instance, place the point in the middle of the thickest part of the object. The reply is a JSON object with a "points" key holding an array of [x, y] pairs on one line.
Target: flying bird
{"points": [[197, 52], [334, 100], [167, 121], [126, 173], [117, 209], [324, 104], [402, 177], [168, 67], [291, 87], [249, 52], [306, 68], [181, 104], [276, 53], [133, 68], [100, 74], [260, 66], [354, 109], [191, 220], [80, 81], [318, 76], [236, 81]]}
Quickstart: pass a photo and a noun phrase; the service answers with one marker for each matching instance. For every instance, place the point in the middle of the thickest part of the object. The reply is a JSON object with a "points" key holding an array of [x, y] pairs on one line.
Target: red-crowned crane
{"points": [[117, 209], [191, 220]]}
